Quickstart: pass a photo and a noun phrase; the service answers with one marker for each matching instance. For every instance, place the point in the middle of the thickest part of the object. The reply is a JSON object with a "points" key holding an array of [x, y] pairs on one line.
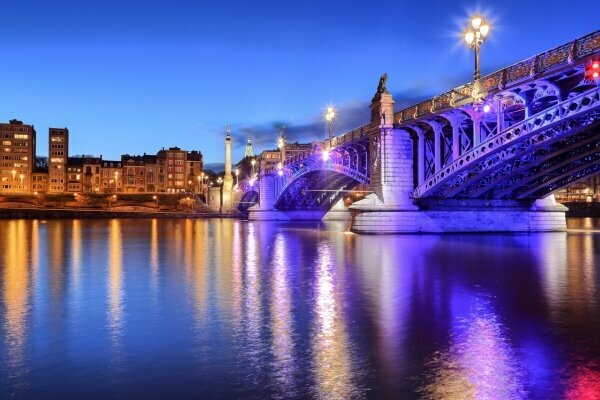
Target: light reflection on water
{"points": [[480, 363], [231, 309]]}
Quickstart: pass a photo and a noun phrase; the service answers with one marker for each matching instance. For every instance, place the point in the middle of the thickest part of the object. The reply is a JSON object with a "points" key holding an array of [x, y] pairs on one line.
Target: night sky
{"points": [[135, 76]]}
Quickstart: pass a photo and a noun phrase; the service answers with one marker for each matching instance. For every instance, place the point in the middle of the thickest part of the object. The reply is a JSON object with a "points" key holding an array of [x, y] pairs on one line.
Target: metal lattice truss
{"points": [[528, 159], [313, 182]]}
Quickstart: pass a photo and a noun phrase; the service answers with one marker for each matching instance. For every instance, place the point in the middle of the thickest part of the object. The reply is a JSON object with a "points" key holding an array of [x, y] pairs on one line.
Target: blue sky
{"points": [[135, 76]]}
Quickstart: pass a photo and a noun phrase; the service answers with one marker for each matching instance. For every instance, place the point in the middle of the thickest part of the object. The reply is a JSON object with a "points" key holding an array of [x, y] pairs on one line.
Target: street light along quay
{"points": [[329, 116], [475, 36]]}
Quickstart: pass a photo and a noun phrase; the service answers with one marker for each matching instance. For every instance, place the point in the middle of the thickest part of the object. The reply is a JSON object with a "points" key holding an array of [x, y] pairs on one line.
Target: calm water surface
{"points": [[230, 309]]}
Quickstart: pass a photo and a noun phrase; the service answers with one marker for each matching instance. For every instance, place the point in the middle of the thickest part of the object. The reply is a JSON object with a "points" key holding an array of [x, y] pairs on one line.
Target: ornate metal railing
{"points": [[563, 56], [351, 136], [558, 112]]}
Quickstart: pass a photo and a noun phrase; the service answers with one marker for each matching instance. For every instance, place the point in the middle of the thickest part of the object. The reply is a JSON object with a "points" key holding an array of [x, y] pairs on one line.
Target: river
{"points": [[228, 309]]}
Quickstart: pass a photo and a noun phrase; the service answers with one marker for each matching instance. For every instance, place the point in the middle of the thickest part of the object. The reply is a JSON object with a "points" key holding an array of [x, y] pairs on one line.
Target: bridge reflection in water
{"points": [[228, 309]]}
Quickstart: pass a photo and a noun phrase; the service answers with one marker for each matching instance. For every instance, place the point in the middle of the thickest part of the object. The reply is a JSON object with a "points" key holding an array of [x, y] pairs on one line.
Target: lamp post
{"points": [[220, 182], [116, 180], [21, 178], [111, 200], [237, 177], [253, 163], [329, 116], [155, 198], [475, 36]]}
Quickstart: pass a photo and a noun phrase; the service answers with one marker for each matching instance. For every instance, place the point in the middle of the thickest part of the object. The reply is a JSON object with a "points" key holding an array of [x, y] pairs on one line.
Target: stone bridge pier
{"points": [[268, 190]]}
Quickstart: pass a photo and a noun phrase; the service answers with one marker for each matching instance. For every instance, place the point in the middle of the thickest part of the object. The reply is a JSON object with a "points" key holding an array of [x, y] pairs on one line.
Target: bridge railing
{"points": [[353, 135], [556, 59]]}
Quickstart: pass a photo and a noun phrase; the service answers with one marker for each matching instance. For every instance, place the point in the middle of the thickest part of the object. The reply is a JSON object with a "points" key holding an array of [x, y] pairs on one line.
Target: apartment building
{"points": [[134, 174], [112, 176], [74, 175], [17, 161], [92, 175], [58, 151]]}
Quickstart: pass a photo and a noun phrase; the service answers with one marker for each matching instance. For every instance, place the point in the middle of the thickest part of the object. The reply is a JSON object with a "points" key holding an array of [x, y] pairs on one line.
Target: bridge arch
{"points": [[247, 200], [317, 184]]}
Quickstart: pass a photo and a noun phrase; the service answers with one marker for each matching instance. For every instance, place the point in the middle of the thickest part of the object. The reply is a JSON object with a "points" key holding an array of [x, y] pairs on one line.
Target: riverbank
{"points": [[53, 213]]}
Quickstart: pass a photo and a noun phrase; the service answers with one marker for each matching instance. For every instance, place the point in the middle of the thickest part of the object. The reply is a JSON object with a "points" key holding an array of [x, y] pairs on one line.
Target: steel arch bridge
{"points": [[514, 136]]}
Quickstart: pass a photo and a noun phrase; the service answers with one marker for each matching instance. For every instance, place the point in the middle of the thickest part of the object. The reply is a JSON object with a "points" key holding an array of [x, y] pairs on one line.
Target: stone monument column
{"points": [[228, 194], [228, 178]]}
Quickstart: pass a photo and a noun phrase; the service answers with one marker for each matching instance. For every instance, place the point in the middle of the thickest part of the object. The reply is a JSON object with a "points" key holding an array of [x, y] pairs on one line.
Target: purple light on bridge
{"points": [[280, 172]]}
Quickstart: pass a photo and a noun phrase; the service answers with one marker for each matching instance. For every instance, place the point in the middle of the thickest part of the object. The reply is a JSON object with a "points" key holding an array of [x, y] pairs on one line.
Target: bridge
{"points": [[486, 156]]}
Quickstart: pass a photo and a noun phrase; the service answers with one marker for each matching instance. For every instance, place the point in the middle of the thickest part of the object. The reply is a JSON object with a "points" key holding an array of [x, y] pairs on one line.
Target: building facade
{"points": [[171, 170], [584, 191], [74, 175], [58, 152], [17, 162], [92, 175]]}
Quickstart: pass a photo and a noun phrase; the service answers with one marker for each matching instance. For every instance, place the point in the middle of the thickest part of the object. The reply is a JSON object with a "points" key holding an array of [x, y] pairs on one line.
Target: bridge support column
{"points": [[391, 173], [265, 209]]}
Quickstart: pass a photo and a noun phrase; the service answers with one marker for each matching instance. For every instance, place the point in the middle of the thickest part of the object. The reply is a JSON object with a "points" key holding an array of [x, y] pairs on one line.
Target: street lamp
{"points": [[475, 35], [155, 198], [116, 180], [237, 177], [21, 178], [329, 116], [111, 199], [253, 163]]}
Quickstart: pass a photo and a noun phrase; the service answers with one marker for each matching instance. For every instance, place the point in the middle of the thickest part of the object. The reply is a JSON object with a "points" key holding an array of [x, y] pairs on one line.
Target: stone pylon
{"points": [[391, 172], [391, 158]]}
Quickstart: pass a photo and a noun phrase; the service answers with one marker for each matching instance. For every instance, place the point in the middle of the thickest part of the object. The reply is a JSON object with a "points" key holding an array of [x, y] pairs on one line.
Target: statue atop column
{"points": [[381, 88], [382, 105]]}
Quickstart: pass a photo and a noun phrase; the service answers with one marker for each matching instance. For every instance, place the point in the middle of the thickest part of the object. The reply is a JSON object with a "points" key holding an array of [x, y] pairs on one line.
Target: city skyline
{"points": [[187, 72]]}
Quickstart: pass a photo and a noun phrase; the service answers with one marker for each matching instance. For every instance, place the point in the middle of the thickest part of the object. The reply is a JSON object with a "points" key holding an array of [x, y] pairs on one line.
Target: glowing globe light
{"points": [[325, 155], [484, 29], [280, 172], [486, 108], [469, 37], [476, 22]]}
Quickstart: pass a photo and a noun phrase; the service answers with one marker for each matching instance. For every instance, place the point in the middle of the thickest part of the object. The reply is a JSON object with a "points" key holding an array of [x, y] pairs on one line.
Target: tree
{"points": [[41, 162]]}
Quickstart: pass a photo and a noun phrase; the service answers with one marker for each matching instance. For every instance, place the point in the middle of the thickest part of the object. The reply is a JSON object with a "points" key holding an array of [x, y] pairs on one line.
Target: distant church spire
{"points": [[249, 151]]}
